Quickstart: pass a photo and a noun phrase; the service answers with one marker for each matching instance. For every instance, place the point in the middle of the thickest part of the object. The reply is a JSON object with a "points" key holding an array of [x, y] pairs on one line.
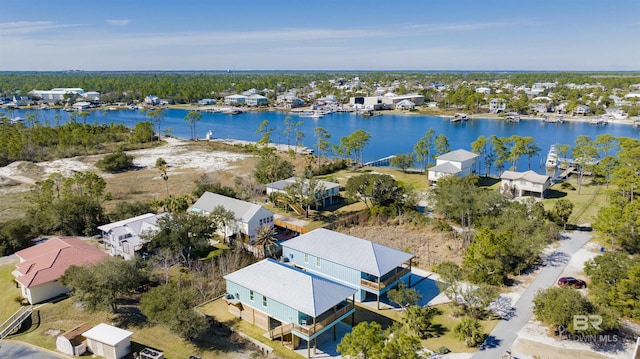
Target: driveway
{"points": [[15, 350], [506, 332]]}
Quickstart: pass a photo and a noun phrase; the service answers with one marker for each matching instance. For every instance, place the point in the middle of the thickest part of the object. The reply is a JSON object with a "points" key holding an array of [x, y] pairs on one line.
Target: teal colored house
{"points": [[289, 303], [370, 268]]}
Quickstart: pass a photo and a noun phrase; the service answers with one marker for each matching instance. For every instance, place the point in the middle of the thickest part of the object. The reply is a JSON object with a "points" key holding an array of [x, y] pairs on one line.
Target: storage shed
{"points": [[108, 341], [72, 342]]}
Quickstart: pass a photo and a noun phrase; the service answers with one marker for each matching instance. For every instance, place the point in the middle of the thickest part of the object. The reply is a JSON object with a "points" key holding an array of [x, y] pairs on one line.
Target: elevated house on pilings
{"points": [[290, 304]]}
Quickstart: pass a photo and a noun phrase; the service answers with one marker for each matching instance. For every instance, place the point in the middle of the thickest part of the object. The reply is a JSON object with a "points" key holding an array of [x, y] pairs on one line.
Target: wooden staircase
{"points": [[14, 321], [280, 331]]}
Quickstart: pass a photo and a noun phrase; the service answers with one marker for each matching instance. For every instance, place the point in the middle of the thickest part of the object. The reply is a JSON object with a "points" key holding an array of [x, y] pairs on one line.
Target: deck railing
{"points": [[400, 272], [309, 330], [280, 331]]}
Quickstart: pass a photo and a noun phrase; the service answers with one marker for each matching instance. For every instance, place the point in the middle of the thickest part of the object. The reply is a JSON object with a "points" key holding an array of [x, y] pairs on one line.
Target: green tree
{"points": [[530, 149], [143, 132], [611, 284], [181, 233], [479, 146], [499, 148], [557, 306], [265, 239], [125, 210], [173, 306], [193, 117], [404, 296], [272, 168], [561, 211], [265, 131], [305, 192], [365, 341], [419, 320], [156, 115], [375, 190], [584, 153], [422, 148], [102, 285], [401, 345], [322, 141], [402, 161], [291, 126], [115, 162], [355, 143], [470, 331], [442, 144]]}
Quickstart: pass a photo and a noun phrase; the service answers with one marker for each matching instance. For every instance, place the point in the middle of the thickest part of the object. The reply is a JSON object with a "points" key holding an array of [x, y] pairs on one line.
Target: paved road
{"points": [[506, 332], [14, 350]]}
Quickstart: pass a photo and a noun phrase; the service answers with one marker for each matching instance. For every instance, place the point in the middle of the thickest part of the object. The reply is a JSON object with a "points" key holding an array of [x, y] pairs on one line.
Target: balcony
{"points": [[309, 330], [388, 279]]}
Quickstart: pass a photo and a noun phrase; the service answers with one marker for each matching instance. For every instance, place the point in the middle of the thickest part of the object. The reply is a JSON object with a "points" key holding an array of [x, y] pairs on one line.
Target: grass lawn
{"points": [[447, 321], [586, 204], [8, 292]]}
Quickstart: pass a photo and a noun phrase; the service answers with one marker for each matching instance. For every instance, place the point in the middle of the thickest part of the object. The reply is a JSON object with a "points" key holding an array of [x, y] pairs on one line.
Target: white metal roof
{"points": [[459, 155], [349, 251], [529, 176], [303, 291], [243, 211], [280, 185], [107, 334], [108, 227]]}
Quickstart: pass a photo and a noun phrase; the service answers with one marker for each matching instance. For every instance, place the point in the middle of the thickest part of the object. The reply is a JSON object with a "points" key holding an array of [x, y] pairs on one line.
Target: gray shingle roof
{"points": [[303, 291], [349, 251], [243, 211], [446, 167], [458, 156]]}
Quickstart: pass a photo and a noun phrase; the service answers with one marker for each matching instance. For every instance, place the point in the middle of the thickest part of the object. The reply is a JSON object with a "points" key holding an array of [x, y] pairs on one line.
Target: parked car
{"points": [[573, 282]]}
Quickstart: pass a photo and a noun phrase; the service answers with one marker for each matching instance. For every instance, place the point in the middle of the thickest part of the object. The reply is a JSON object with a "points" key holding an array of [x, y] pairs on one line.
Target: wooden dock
{"points": [[566, 173]]}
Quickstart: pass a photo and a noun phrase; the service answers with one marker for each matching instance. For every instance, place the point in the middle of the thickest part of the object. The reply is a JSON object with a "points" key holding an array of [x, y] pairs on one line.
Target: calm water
{"points": [[390, 134]]}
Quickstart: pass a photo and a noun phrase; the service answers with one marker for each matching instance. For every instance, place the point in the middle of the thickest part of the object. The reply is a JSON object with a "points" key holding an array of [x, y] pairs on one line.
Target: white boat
{"points": [[512, 117], [311, 114], [231, 111], [552, 158], [209, 135], [459, 117]]}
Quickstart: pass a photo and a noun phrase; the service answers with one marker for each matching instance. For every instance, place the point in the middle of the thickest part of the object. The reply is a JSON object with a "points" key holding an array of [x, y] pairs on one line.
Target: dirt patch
{"points": [[430, 246]]}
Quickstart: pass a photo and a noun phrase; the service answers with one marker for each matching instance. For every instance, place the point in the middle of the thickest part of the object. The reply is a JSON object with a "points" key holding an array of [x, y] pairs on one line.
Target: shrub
{"points": [[115, 162]]}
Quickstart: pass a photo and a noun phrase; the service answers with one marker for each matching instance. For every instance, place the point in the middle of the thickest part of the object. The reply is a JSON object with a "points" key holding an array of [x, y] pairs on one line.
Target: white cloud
{"points": [[28, 27], [118, 22], [469, 26]]}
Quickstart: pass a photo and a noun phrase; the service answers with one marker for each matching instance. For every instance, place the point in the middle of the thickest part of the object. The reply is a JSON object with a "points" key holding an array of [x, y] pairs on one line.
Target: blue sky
{"points": [[578, 35]]}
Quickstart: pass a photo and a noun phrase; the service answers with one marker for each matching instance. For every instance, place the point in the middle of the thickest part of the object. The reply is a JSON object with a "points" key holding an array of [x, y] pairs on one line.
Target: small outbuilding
{"points": [[108, 341], [73, 342]]}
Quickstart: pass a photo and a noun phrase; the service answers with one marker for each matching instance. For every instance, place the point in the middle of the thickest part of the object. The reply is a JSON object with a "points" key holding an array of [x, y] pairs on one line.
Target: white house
{"points": [[152, 100], [248, 217], [582, 110], [483, 90], [405, 105], [257, 100], [529, 183], [458, 163], [206, 101], [82, 105], [56, 94], [329, 190], [235, 99], [124, 237], [497, 105], [108, 341], [42, 265]]}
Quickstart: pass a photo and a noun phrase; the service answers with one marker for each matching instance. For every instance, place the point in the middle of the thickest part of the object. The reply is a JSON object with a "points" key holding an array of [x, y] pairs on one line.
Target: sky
{"points": [[527, 35]]}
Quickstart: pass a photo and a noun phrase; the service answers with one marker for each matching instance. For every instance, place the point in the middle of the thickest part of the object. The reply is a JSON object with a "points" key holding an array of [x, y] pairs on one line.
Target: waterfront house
{"points": [[370, 268], [519, 184], [21, 100], [458, 163], [256, 100], [206, 102], [289, 303], [248, 217], [582, 110], [325, 192], [42, 265], [405, 105], [497, 105], [152, 100], [108, 341], [82, 105], [57, 94], [124, 237], [235, 100]]}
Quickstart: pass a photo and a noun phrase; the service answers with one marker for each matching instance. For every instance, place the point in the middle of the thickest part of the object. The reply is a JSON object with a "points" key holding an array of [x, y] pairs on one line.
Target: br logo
{"points": [[582, 322]]}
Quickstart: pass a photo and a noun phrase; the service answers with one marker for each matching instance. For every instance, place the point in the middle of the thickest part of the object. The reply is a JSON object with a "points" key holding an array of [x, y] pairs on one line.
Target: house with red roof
{"points": [[42, 265]]}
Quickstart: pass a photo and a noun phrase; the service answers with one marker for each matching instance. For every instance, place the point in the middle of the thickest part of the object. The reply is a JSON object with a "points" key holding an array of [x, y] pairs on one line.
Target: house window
{"points": [[306, 257], [264, 301], [251, 295], [317, 261]]}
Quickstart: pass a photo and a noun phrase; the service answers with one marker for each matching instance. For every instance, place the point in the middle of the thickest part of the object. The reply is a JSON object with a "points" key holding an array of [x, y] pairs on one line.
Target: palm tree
{"points": [[222, 218], [265, 239]]}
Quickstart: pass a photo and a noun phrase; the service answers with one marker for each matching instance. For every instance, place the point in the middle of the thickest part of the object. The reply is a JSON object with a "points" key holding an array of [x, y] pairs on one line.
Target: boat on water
{"points": [[512, 117], [558, 119], [600, 121], [209, 135], [312, 114], [232, 111], [552, 157], [458, 117]]}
